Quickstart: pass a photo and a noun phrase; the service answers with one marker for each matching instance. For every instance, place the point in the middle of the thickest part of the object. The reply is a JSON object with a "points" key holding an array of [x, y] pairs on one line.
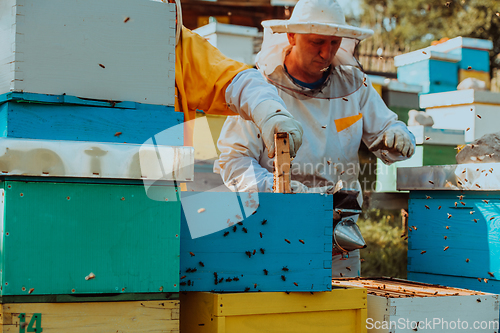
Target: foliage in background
{"points": [[415, 24], [386, 254]]}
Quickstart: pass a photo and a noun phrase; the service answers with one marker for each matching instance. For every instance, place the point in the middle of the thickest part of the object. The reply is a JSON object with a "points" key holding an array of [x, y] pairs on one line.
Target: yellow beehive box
{"points": [[340, 310], [483, 76], [95, 317]]}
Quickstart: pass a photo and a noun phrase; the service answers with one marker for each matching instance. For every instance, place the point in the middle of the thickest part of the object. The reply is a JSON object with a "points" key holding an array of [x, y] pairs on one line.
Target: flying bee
{"points": [[492, 218], [192, 254], [467, 260], [439, 207], [478, 186], [254, 251], [478, 116], [463, 203], [264, 222], [446, 248], [456, 204], [428, 197], [296, 284], [423, 252], [485, 280], [286, 240], [126, 19], [471, 212], [430, 181], [486, 201], [459, 182], [479, 279], [345, 99], [427, 207], [348, 268], [449, 215], [445, 237], [475, 220], [491, 274], [468, 128], [447, 227], [427, 138], [300, 240], [183, 277]]}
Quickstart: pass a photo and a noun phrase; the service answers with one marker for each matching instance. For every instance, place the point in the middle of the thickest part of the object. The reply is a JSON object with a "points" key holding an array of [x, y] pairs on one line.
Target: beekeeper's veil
{"points": [[322, 17]]}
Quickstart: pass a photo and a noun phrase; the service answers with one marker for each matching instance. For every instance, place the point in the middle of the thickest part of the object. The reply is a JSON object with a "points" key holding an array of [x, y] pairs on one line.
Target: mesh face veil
{"points": [[345, 73]]}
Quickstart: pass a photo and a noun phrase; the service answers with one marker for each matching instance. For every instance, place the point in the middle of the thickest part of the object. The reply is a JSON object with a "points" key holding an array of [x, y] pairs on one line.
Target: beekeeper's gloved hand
{"points": [[395, 140], [298, 187], [271, 117]]}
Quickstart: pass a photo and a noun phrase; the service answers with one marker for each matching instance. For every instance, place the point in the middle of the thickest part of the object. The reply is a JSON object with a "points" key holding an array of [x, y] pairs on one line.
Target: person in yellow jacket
{"points": [[202, 75]]}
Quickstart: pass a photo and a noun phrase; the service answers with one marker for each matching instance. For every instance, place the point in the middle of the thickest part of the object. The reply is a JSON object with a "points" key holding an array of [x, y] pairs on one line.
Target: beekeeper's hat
{"points": [[322, 17]]}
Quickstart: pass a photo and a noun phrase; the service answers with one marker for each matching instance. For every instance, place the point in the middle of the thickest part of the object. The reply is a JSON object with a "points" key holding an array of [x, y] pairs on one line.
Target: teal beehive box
{"points": [[434, 71], [67, 229]]}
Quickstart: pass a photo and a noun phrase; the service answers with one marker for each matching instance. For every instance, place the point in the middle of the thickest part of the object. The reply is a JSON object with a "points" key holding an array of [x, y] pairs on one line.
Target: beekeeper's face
{"points": [[313, 53]]}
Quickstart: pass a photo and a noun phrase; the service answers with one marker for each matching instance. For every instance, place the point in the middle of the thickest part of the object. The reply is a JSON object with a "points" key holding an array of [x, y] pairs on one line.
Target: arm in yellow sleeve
{"points": [[202, 75]]}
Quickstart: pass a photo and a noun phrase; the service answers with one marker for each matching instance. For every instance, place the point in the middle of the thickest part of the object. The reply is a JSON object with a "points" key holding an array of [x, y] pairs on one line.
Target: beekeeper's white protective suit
{"points": [[335, 117]]}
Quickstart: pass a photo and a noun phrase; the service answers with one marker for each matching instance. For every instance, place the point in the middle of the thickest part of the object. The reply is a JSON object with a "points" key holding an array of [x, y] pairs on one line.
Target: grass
{"points": [[386, 253]]}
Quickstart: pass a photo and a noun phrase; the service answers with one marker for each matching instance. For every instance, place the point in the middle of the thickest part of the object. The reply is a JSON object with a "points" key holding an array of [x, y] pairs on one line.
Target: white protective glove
{"points": [[395, 140], [271, 118], [298, 187]]}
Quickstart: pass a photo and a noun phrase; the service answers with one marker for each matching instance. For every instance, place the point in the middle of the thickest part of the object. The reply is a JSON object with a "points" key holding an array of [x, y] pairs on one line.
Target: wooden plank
{"points": [[86, 123], [231, 254], [56, 41], [140, 316], [56, 234], [282, 163], [491, 286], [88, 298]]}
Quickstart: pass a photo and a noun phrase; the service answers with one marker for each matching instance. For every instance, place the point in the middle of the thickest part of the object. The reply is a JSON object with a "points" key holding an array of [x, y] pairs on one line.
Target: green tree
{"points": [[415, 24]]}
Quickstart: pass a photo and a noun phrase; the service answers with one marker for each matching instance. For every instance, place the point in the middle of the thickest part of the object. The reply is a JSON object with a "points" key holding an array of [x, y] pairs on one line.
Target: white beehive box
{"points": [[433, 308], [474, 111], [121, 50], [234, 41]]}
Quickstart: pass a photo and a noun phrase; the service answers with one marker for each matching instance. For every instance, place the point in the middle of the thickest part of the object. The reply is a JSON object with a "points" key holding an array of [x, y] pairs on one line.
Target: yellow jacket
{"points": [[202, 74]]}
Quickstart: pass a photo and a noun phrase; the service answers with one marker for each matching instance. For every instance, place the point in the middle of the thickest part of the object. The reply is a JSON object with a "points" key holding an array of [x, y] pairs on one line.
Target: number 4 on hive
{"points": [[35, 324]]}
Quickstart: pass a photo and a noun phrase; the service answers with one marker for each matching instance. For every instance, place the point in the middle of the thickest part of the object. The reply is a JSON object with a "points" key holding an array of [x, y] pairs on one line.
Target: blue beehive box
{"points": [[434, 71], [454, 236], [473, 52], [261, 242], [62, 117]]}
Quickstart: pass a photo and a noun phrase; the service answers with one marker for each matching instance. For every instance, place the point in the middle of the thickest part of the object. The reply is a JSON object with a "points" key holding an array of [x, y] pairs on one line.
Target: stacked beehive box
{"points": [[440, 68], [83, 245], [396, 305], [453, 217]]}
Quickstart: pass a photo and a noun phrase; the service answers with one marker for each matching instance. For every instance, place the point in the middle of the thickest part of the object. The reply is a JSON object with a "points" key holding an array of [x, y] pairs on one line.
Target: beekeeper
{"points": [[309, 59], [202, 75]]}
